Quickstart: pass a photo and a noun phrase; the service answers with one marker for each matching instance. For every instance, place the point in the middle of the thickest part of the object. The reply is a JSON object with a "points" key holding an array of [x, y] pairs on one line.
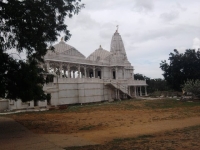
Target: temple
{"points": [[102, 76]]}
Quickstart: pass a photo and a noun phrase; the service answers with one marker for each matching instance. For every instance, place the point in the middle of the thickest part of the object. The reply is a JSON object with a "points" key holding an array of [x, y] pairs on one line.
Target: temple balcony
{"points": [[132, 82]]}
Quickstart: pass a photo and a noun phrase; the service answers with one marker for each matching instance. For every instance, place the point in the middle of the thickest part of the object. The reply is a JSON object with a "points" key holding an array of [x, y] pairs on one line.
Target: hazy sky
{"points": [[150, 29]]}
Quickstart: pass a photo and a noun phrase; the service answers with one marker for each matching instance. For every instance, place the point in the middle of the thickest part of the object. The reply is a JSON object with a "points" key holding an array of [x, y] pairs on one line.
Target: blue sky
{"points": [[150, 29]]}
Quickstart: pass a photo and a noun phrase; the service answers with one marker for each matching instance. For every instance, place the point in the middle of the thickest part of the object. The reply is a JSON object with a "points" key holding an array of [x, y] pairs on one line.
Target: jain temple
{"points": [[102, 76]]}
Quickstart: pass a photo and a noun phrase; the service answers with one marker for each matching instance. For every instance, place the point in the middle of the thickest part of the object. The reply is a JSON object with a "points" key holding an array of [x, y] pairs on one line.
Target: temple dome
{"points": [[65, 50], [98, 54], [61, 47], [117, 45]]}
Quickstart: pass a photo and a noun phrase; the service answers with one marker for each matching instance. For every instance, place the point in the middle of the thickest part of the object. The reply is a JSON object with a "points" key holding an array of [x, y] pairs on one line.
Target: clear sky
{"points": [[150, 29]]}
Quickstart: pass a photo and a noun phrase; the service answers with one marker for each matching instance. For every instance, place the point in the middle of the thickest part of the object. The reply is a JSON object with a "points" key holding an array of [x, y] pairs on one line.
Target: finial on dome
{"points": [[100, 46], [117, 28], [62, 39]]}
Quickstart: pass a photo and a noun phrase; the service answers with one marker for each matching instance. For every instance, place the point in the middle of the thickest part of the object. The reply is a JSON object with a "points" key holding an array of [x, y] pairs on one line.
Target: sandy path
{"points": [[101, 136]]}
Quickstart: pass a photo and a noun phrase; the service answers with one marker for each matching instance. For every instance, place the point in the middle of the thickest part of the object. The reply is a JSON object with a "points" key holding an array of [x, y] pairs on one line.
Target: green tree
{"points": [[153, 84], [30, 26], [157, 85], [139, 76], [181, 67], [192, 86]]}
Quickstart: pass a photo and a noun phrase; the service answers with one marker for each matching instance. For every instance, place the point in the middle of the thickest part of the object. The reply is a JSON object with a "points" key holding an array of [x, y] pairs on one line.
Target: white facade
{"points": [[102, 76]]}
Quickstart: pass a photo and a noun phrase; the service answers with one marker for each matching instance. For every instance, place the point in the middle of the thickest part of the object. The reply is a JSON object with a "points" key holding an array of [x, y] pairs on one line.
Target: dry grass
{"points": [[102, 117]]}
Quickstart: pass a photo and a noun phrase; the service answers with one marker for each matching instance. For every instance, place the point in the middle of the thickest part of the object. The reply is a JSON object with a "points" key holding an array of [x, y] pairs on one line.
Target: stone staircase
{"points": [[120, 87]]}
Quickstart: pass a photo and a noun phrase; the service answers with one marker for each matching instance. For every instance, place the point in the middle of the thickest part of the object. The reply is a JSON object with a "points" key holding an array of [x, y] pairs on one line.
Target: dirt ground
{"points": [[131, 124]]}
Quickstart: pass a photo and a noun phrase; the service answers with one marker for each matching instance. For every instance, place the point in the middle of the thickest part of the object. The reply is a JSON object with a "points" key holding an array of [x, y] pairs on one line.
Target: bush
{"points": [[192, 86]]}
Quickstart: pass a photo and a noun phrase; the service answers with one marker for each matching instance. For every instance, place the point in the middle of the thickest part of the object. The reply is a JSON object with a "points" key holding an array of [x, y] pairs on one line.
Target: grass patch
{"points": [[169, 103], [141, 137]]}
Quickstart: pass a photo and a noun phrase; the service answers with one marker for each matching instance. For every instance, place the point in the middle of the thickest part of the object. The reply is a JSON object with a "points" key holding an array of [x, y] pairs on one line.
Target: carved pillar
{"points": [[68, 70], [116, 93], [64, 72], [145, 91], [135, 91], [103, 72], [116, 74], [85, 75], [60, 70], [47, 67], [79, 71], [88, 73], [140, 91], [94, 71], [54, 69]]}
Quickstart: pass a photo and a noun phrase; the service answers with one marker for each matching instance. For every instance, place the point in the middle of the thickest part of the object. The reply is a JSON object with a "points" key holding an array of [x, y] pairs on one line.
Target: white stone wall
{"points": [[4, 104], [120, 73], [72, 93], [92, 92], [42, 103], [54, 98], [106, 73], [68, 93], [20, 105]]}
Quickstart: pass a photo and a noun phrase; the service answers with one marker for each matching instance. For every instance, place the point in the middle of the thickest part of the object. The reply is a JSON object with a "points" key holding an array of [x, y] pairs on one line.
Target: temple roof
{"points": [[98, 54], [117, 45], [65, 50], [61, 47]]}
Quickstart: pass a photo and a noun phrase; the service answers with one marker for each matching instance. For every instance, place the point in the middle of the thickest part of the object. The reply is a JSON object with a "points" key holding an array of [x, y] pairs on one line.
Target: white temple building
{"points": [[102, 76]]}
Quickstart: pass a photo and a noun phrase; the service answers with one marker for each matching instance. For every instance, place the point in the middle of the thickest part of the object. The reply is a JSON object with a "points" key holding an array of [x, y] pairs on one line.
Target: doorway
{"points": [[99, 74], [114, 75]]}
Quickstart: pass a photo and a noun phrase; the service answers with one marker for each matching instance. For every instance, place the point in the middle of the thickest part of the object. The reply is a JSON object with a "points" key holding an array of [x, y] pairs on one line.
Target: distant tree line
{"points": [[153, 84], [181, 73]]}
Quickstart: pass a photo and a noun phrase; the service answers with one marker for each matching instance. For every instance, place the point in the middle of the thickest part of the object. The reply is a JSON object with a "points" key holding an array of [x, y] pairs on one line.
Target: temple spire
{"points": [[117, 45]]}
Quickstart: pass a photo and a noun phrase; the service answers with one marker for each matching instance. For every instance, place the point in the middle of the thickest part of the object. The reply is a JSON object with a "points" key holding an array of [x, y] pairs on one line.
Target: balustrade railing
{"points": [[77, 80], [120, 84], [137, 82]]}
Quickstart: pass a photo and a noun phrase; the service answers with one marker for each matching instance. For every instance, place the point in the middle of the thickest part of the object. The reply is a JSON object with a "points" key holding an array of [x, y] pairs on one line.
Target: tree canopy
{"points": [[139, 76], [181, 67], [30, 26]]}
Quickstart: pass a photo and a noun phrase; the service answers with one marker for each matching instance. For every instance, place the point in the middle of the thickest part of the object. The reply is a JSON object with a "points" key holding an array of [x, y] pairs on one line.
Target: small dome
{"points": [[98, 54]]}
